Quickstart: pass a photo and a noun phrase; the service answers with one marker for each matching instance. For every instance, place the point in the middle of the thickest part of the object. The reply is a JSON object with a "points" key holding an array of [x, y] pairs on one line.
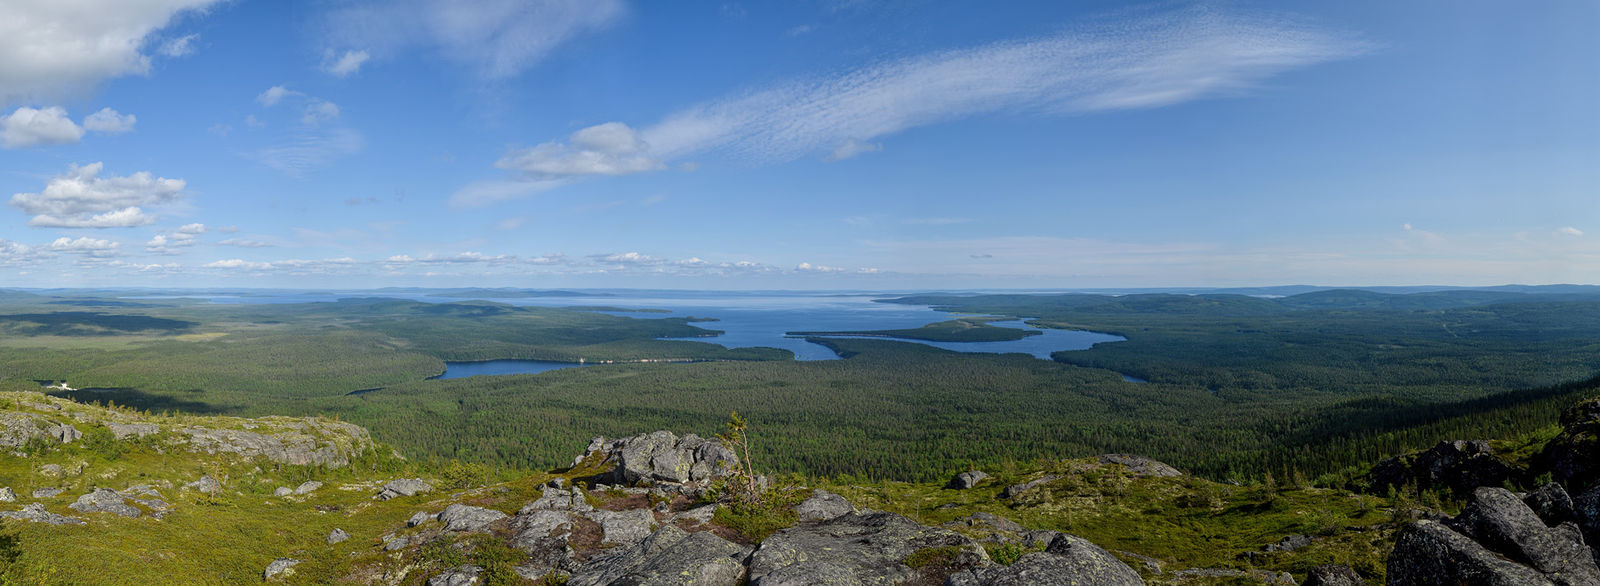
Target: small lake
{"points": [[485, 367]]}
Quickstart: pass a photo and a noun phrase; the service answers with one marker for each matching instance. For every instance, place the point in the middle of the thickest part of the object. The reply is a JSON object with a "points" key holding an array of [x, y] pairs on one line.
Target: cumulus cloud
{"points": [[606, 149], [626, 258], [81, 198], [50, 49], [275, 94], [294, 266], [1147, 63], [1569, 231], [28, 127], [170, 243], [17, 254], [109, 121], [494, 39], [95, 247], [343, 65]]}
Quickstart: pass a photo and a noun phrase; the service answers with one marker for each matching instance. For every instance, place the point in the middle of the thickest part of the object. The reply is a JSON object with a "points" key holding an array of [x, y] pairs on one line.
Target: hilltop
{"points": [[113, 495]]}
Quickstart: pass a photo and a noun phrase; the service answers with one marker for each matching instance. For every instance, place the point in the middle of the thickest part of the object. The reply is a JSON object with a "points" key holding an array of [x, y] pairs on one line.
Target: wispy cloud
{"points": [[1118, 65], [494, 39]]}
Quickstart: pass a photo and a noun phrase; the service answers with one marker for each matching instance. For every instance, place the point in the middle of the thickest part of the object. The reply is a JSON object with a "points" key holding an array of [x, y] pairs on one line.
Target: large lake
{"points": [[750, 319]]}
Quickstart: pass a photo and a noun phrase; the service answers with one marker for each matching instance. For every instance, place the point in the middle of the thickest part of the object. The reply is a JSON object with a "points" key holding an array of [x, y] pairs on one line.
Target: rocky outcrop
{"points": [[871, 547], [459, 517], [669, 556], [1459, 466], [300, 442], [1497, 539], [105, 500], [967, 480], [661, 457], [457, 576], [1067, 561], [307, 487], [403, 487], [1333, 575], [337, 536], [1573, 457], [7, 495], [124, 431], [1140, 465], [18, 427], [205, 485], [36, 513], [1018, 489]]}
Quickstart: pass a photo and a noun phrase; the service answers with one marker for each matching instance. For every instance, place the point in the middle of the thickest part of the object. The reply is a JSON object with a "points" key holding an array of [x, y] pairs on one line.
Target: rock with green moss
{"points": [[1496, 539], [36, 513], [822, 506], [459, 517], [105, 500], [1572, 458], [668, 557], [1068, 560]]}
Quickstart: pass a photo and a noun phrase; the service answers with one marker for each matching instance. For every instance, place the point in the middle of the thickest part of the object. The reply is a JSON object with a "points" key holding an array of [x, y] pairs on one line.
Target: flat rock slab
{"points": [[668, 557], [868, 548], [459, 517], [105, 500]]}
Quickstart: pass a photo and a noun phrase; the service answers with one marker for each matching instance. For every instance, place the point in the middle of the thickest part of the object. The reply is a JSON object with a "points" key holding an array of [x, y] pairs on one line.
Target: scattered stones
{"points": [[1140, 465], [967, 480], [337, 535], [394, 542], [307, 486], [404, 487], [1290, 543], [7, 495], [457, 576], [823, 506], [45, 493], [283, 491], [36, 513], [280, 568], [459, 517], [105, 500]]}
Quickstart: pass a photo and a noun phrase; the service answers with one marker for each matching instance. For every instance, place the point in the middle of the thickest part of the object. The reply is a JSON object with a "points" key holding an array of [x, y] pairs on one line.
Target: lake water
{"points": [[748, 319], [466, 369]]}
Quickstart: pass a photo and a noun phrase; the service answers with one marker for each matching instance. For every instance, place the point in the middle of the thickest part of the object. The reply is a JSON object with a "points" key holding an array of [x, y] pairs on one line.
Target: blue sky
{"points": [[821, 144]]}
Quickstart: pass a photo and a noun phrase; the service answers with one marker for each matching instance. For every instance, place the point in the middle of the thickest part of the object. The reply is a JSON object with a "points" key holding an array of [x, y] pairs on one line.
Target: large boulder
{"points": [[967, 480], [668, 557], [1459, 466], [1552, 503], [822, 506], [1497, 539], [663, 457], [280, 568], [1067, 561], [867, 548], [1573, 457]]}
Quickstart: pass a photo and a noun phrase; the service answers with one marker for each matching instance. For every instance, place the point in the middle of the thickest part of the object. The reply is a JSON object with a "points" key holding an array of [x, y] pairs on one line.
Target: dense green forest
{"points": [[1312, 384]]}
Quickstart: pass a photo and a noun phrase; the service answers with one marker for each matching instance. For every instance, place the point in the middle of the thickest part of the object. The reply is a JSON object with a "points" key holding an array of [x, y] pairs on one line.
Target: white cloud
{"points": [[293, 266], [806, 267], [177, 47], [192, 229], [1153, 62], [96, 247], [627, 258], [109, 121], [1569, 231], [17, 254], [851, 148], [28, 127], [344, 65], [482, 193], [243, 243], [319, 111], [50, 48], [275, 94], [494, 39], [606, 149], [80, 198]]}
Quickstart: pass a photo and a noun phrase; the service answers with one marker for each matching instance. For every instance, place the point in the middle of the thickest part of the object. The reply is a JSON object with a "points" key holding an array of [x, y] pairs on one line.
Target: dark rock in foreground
{"points": [[1497, 539], [1459, 466]]}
